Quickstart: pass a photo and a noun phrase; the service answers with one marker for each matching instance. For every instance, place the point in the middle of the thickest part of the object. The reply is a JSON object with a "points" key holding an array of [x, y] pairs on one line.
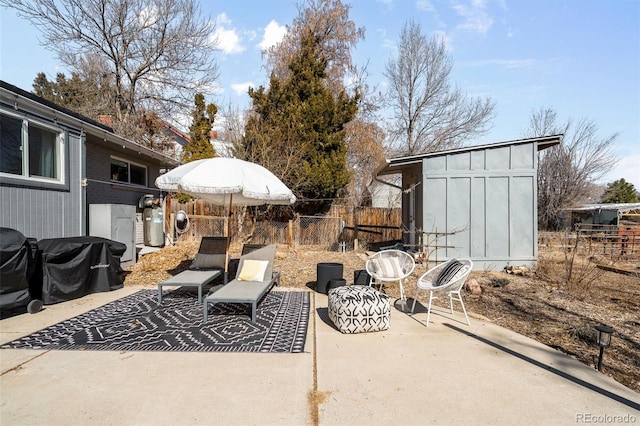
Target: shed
{"points": [[603, 214], [478, 202]]}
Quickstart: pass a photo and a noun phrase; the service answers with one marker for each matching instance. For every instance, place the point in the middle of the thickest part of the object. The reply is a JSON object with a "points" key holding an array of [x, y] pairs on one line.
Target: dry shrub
{"points": [[585, 333], [572, 267]]}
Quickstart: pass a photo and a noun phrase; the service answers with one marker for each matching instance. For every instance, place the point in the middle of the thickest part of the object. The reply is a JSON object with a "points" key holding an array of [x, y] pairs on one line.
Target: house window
{"points": [[30, 150], [127, 172]]}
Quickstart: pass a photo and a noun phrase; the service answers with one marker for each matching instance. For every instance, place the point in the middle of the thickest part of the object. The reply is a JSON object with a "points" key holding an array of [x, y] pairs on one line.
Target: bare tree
{"points": [[428, 113], [328, 21], [231, 125], [365, 139], [567, 172], [158, 52]]}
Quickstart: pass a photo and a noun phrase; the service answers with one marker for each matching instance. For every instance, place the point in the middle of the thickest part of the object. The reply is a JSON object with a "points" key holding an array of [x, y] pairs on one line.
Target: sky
{"points": [[580, 58]]}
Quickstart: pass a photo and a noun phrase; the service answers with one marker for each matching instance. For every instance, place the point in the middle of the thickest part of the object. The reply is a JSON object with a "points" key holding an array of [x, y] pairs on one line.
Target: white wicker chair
{"points": [[437, 280], [389, 266]]}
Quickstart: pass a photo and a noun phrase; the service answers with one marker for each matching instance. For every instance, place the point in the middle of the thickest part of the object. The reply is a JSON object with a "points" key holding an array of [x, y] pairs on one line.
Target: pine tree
{"points": [[199, 146], [298, 126], [620, 191], [87, 95]]}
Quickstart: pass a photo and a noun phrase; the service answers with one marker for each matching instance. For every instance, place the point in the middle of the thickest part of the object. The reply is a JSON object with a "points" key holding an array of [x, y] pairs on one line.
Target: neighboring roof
{"points": [[223, 148], [621, 207], [178, 136], [22, 100], [396, 165]]}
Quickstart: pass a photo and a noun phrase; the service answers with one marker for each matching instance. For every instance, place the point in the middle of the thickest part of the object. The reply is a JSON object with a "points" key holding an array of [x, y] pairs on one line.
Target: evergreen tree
{"points": [[620, 191], [298, 126], [85, 95], [199, 145]]}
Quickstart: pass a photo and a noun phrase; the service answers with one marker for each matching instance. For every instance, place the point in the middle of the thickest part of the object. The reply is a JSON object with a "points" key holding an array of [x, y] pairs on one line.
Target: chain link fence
{"points": [[325, 232]]}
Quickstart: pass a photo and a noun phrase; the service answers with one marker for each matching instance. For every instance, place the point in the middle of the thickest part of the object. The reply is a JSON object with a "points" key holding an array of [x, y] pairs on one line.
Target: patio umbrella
{"points": [[227, 181]]}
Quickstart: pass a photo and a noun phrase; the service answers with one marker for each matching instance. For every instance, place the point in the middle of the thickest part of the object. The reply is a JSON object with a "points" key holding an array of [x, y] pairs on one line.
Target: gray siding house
{"points": [[478, 202], [55, 163]]}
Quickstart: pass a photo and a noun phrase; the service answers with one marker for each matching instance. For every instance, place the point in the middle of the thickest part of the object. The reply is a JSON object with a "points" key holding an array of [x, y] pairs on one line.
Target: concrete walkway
{"points": [[449, 373]]}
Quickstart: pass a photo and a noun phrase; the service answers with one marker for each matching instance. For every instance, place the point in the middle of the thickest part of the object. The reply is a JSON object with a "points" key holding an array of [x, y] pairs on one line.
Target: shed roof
{"points": [[620, 207], [397, 165]]}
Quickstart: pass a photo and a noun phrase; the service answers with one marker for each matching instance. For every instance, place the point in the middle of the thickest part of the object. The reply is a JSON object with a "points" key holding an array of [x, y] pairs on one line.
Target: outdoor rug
{"points": [[138, 323]]}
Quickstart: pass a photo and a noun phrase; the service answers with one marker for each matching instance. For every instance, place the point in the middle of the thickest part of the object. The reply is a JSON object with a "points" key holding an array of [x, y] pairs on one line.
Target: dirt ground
{"points": [[534, 304]]}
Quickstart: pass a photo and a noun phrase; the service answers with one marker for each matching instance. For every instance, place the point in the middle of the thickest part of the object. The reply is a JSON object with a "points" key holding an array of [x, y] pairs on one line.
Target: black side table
{"points": [[361, 277], [335, 283], [326, 271]]}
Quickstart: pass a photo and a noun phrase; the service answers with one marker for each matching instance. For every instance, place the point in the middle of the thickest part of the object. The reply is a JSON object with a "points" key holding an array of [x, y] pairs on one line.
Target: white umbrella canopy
{"points": [[227, 180]]}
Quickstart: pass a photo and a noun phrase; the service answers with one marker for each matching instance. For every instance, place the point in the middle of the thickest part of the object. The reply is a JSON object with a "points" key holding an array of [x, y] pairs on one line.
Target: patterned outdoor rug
{"points": [[138, 323]]}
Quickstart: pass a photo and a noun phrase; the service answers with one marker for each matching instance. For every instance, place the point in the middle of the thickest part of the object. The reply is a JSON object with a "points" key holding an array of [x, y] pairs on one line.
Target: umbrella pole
{"points": [[226, 260]]}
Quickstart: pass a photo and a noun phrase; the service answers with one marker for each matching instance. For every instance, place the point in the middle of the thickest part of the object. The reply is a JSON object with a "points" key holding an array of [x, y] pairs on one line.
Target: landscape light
{"points": [[604, 341]]}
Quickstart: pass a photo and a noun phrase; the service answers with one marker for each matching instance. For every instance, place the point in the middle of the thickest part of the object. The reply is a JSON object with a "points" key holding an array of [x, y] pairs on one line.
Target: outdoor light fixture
{"points": [[604, 341]]}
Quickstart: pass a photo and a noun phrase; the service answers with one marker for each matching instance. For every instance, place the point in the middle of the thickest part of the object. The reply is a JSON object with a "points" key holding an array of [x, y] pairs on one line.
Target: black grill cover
{"points": [[77, 266], [16, 268]]}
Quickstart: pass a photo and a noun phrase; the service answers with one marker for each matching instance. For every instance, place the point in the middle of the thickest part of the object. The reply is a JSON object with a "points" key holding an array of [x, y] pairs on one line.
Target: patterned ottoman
{"points": [[359, 308]]}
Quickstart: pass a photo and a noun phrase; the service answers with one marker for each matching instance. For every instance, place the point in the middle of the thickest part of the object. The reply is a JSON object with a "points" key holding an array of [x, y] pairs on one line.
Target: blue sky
{"points": [[579, 57]]}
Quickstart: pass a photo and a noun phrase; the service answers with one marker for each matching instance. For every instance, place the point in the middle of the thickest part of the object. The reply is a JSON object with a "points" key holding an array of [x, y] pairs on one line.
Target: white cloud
{"points": [[242, 88], [227, 39], [425, 5], [475, 16], [223, 19], [273, 34], [508, 63]]}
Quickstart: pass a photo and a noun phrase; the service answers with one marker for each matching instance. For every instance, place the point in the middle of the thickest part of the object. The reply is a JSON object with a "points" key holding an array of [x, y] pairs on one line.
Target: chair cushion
{"points": [[390, 267], [208, 261], [448, 272], [253, 270], [359, 309]]}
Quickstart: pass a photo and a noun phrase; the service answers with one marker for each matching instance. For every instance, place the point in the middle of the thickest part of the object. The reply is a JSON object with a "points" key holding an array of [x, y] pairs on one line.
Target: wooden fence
{"points": [[342, 228], [370, 226]]}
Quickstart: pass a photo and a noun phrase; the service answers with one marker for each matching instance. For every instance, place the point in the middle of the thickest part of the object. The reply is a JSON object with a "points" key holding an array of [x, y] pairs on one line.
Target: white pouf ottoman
{"points": [[359, 309]]}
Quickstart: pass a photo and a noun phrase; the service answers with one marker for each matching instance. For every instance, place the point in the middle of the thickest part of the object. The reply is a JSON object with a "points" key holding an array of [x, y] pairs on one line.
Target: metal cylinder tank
{"points": [[153, 218]]}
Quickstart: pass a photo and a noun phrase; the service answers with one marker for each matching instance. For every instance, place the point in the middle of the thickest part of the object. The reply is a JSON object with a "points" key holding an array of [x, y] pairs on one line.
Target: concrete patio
{"points": [[448, 373]]}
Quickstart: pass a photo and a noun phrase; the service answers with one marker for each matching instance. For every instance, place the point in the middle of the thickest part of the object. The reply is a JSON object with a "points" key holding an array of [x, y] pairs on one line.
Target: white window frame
{"points": [[129, 163], [60, 150]]}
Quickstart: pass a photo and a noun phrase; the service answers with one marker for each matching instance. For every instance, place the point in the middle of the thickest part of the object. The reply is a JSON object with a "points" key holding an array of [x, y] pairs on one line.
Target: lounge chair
{"points": [[207, 265], [254, 279]]}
